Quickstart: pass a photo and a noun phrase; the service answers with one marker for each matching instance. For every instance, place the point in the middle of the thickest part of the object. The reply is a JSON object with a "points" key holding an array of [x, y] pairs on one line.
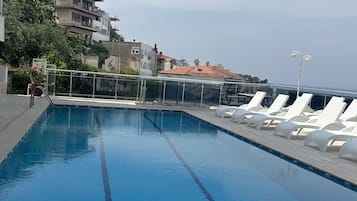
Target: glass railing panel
{"points": [[228, 94], [59, 83], [154, 90], [210, 94], [173, 92], [105, 87], [128, 88], [241, 93], [82, 84], [193, 93]]}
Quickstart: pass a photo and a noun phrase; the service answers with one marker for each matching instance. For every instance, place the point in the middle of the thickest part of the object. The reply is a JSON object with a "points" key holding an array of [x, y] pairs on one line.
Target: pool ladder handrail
{"points": [[32, 98]]}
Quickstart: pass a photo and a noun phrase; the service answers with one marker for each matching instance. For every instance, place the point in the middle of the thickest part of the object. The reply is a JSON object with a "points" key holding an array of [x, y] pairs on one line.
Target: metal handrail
{"points": [[32, 97]]}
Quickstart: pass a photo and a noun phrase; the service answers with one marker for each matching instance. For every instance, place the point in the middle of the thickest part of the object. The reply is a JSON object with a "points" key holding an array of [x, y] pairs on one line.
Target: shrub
{"points": [[19, 81]]}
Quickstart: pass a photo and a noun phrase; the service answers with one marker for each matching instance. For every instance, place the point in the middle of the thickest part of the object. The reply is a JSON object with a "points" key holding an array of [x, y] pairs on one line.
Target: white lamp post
{"points": [[303, 58]]}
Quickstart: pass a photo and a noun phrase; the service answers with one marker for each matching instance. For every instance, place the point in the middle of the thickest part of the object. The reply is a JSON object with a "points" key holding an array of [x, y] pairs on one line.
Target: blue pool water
{"points": [[93, 154]]}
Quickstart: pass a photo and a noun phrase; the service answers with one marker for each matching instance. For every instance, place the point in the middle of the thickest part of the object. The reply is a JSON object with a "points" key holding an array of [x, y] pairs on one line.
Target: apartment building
{"points": [[136, 55], [164, 62], [103, 26], [77, 16]]}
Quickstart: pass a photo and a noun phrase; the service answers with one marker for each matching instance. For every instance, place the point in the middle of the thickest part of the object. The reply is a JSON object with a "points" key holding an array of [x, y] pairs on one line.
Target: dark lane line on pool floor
{"points": [[179, 157], [103, 162]]}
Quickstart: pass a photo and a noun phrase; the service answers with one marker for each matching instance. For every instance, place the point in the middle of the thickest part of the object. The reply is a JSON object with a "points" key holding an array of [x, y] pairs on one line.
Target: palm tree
{"points": [[197, 62]]}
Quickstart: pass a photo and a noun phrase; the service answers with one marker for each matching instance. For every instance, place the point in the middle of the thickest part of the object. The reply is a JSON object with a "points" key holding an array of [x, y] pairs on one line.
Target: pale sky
{"points": [[252, 37]]}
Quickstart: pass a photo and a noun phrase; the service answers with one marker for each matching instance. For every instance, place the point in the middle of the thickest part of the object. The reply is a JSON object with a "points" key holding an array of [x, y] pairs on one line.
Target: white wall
{"points": [[147, 60], [2, 29], [3, 80], [91, 60], [103, 33], [99, 36], [112, 63]]}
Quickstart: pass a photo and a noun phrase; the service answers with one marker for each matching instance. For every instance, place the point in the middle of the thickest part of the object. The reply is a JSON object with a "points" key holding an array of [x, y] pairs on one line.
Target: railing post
{"points": [[54, 83], [325, 100], [141, 90], [116, 87], [70, 83], [144, 91], [220, 94], [93, 92], [202, 87], [32, 98], [164, 93], [183, 93], [138, 90], [46, 88]]}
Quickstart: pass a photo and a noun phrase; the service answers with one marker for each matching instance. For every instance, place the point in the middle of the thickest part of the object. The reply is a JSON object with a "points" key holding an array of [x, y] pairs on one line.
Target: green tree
{"points": [[115, 36], [28, 27], [254, 79], [182, 62], [31, 32]]}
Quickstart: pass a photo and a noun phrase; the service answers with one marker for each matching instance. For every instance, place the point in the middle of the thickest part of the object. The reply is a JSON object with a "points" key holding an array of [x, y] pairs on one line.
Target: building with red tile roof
{"points": [[213, 72], [164, 62]]}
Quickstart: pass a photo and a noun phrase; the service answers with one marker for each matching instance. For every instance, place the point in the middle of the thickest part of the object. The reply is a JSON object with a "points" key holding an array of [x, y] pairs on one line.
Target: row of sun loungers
{"points": [[335, 123]]}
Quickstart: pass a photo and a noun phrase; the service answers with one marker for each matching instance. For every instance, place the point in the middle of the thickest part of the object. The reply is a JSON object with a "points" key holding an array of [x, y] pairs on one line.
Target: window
{"points": [[135, 51], [76, 17], [76, 2], [86, 21], [88, 5]]}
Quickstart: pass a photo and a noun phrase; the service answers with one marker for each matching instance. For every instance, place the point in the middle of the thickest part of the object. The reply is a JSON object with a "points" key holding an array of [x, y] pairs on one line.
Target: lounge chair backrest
{"points": [[350, 112], [278, 103], [299, 105], [354, 129], [256, 100], [332, 111]]}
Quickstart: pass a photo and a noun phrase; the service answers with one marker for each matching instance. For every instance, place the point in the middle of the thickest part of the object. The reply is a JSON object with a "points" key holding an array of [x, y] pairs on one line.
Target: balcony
{"points": [[85, 7], [86, 25]]}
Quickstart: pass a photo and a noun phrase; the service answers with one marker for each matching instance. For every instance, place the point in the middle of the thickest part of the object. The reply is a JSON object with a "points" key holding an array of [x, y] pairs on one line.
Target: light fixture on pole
{"points": [[303, 58]]}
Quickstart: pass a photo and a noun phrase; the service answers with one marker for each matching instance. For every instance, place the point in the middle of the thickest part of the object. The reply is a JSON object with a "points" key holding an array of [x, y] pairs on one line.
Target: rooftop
{"points": [[214, 71]]}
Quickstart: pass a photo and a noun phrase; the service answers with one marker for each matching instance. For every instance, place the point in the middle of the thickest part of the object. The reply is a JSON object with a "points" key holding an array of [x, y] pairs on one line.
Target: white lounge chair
{"points": [[254, 105], [295, 111], [241, 116], [345, 130], [349, 150], [329, 115], [323, 138], [350, 114]]}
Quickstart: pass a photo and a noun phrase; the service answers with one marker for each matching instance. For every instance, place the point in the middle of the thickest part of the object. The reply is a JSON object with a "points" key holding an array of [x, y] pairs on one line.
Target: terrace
{"points": [[195, 97]]}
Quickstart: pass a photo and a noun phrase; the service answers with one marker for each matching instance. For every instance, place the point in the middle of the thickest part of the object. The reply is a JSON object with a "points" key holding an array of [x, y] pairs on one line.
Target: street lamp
{"points": [[303, 58]]}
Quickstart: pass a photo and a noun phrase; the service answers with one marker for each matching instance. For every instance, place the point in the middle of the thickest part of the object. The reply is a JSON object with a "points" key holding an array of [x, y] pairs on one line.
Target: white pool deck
{"points": [[16, 118]]}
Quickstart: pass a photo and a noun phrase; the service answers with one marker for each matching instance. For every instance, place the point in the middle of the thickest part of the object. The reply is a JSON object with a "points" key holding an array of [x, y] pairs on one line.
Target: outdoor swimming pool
{"points": [[91, 154]]}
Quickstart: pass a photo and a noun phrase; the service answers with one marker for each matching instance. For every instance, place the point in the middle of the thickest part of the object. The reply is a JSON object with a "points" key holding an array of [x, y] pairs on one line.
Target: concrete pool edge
{"points": [[12, 134], [327, 162]]}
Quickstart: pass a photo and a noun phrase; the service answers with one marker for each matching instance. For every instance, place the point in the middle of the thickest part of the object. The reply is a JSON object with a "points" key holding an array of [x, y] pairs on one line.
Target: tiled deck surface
{"points": [[16, 118]]}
